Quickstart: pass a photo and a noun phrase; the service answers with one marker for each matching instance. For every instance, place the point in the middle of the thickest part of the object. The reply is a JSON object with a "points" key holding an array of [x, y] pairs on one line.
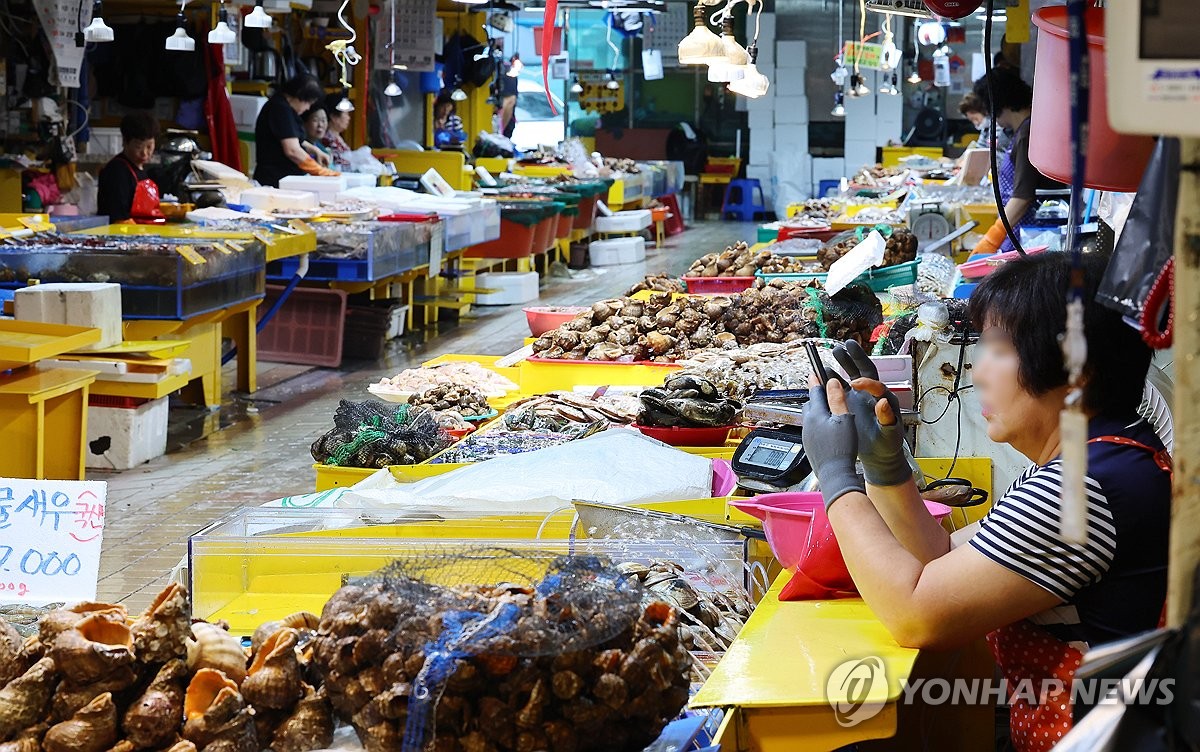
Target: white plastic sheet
{"points": [[861, 257]]}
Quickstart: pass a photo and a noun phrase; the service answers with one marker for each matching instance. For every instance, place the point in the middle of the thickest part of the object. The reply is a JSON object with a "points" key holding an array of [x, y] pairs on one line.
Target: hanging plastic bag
{"points": [[1147, 240]]}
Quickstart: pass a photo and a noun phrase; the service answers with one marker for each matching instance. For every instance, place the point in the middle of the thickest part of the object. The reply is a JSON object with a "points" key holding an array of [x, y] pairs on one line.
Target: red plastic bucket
{"points": [[1115, 161]]}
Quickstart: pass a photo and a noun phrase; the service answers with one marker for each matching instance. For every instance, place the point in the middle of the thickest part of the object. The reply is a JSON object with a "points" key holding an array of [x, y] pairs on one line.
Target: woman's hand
{"points": [[831, 441], [877, 417], [322, 158]]}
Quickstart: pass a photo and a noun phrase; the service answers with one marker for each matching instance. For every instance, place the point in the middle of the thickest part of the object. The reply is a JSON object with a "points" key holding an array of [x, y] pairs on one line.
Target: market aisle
{"points": [[153, 509]]}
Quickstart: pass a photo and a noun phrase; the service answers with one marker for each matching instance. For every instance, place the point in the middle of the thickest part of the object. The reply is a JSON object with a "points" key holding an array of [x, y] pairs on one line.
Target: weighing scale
{"points": [[1153, 66], [770, 460]]}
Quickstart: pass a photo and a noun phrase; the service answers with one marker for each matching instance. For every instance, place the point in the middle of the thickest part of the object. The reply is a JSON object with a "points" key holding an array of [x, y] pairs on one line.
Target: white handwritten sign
{"points": [[61, 20], [50, 536]]}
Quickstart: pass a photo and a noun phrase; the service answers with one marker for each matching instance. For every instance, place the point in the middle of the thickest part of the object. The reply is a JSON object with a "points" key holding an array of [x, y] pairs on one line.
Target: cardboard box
{"points": [[91, 304]]}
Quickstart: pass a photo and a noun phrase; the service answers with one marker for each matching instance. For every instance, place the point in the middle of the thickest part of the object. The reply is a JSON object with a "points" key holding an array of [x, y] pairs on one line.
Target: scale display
{"points": [[771, 459], [770, 454], [1152, 50]]}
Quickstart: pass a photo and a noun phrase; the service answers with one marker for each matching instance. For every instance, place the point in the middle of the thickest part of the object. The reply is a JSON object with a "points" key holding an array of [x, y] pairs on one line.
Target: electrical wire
{"points": [[988, 66]]}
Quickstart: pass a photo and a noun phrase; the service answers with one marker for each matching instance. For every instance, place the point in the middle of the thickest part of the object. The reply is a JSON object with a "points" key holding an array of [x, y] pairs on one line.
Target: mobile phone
{"points": [[814, 357]]}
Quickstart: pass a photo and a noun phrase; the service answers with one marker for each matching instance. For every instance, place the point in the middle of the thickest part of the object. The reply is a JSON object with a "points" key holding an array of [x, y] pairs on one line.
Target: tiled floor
{"points": [[264, 454]]}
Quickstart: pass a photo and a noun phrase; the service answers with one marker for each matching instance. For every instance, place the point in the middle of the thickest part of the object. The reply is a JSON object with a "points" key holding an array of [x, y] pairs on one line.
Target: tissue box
{"points": [[91, 304]]}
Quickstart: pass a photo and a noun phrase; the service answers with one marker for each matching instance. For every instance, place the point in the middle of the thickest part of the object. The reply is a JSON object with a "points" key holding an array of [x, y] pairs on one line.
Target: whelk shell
{"points": [[310, 726], [273, 680], [23, 700], [92, 649], [300, 620], [159, 634], [153, 719], [217, 717], [62, 619], [29, 740], [70, 698], [12, 653], [213, 647], [92, 729]]}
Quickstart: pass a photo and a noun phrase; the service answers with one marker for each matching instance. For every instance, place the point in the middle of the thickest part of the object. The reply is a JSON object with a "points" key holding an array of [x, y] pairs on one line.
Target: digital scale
{"points": [[1153, 66], [772, 459]]}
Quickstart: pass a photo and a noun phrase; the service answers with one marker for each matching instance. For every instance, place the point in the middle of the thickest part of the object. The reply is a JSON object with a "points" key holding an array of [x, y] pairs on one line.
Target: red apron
{"points": [[1026, 652], [144, 209]]}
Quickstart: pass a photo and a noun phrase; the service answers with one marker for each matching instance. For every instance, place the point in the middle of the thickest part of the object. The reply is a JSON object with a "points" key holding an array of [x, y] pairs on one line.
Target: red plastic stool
{"points": [[674, 224]]}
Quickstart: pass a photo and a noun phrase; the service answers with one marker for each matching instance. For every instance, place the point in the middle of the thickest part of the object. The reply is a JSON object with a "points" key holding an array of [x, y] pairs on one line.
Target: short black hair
{"points": [[313, 111], [1027, 298], [304, 88], [1009, 89], [333, 100], [139, 126]]}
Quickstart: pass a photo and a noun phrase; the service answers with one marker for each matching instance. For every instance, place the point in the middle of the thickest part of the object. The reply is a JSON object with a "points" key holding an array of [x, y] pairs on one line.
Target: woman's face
{"points": [[977, 119], [316, 125], [339, 121], [1014, 415]]}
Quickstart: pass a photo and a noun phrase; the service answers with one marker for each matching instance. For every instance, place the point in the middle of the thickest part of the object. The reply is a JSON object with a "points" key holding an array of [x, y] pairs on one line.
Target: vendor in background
{"points": [[125, 192], [1019, 179], [971, 107], [279, 137], [447, 125], [316, 125], [1040, 599], [339, 122], [506, 83]]}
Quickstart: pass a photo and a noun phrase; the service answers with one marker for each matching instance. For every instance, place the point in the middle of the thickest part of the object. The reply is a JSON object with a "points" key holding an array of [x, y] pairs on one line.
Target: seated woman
{"points": [[316, 125], [339, 121], [1040, 599]]}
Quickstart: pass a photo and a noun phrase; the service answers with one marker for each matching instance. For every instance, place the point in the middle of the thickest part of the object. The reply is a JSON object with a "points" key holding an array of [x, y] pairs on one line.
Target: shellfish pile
{"points": [[464, 374], [565, 411], [687, 401], [735, 261], [95, 679], [900, 248], [571, 667], [657, 283], [740, 372], [374, 434], [463, 400], [782, 311], [710, 620]]}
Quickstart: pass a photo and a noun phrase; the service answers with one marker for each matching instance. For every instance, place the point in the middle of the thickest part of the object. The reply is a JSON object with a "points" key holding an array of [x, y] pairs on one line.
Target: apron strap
{"points": [[1162, 457]]}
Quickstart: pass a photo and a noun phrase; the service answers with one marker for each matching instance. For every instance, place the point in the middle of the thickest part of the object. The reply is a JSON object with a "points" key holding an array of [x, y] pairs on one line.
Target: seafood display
{"points": [[622, 164], [488, 445], [628, 330], [657, 283], [735, 261], [95, 680], [783, 311], [575, 662], [901, 247], [463, 400], [465, 374], [791, 265], [564, 412], [687, 401], [740, 372], [710, 618], [374, 435]]}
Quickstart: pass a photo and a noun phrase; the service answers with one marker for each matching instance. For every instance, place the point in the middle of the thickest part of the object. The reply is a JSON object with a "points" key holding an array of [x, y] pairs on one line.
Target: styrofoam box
{"points": [[617, 251], [512, 288], [828, 168], [789, 85], [245, 110], [791, 138], [91, 304], [276, 198], [359, 180], [791, 52], [761, 150], [625, 221], [791, 110], [760, 121], [134, 435], [326, 188], [105, 141]]}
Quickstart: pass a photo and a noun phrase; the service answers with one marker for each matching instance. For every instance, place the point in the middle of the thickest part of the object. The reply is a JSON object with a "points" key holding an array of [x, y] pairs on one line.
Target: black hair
{"points": [[332, 101], [139, 126], [311, 111], [1027, 298], [305, 88], [1009, 89]]}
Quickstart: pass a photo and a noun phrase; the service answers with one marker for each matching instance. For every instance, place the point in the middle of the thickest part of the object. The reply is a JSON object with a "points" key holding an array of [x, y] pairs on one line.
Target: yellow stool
{"points": [[44, 419], [660, 215]]}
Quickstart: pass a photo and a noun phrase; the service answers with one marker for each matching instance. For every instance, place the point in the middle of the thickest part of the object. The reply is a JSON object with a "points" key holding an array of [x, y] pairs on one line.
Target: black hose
{"points": [[987, 64]]}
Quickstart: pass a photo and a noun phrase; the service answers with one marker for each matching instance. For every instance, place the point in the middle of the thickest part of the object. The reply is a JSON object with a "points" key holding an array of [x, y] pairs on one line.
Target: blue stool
{"points": [[827, 188], [746, 205]]}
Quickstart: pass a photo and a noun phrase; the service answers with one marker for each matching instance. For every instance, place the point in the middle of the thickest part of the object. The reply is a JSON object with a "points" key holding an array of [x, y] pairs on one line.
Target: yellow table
{"points": [[773, 680]]}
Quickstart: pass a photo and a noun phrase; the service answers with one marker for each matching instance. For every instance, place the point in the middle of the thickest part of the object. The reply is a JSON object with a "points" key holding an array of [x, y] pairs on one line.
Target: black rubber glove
{"points": [[881, 448], [831, 444]]}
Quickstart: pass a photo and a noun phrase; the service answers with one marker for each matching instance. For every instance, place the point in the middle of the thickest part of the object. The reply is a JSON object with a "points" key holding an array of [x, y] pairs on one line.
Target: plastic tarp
{"points": [[614, 467]]}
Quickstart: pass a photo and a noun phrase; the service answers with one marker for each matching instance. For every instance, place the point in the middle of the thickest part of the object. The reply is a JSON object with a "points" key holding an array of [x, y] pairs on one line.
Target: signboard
{"points": [[864, 54], [50, 535], [61, 20]]}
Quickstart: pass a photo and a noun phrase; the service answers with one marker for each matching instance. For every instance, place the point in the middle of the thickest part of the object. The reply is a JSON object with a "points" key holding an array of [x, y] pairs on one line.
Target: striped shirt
{"points": [[1114, 584]]}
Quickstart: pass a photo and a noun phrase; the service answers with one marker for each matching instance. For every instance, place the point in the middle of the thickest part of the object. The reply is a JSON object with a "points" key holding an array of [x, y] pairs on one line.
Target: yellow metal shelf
{"points": [[25, 342], [154, 391]]}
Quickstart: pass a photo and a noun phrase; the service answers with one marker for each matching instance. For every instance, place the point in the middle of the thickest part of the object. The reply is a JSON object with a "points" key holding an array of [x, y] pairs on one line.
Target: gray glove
{"points": [[881, 448], [831, 444]]}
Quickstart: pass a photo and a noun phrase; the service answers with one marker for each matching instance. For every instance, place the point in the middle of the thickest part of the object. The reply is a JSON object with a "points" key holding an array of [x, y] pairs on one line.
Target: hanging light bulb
{"points": [[914, 77], [345, 105], [752, 84], [458, 95], [839, 105], [221, 33], [610, 81], [97, 30], [701, 46], [258, 18], [895, 84], [577, 88], [858, 86], [392, 89], [180, 41], [732, 67]]}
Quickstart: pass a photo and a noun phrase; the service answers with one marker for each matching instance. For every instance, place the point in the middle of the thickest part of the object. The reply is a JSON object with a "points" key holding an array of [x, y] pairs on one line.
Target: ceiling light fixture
{"points": [[458, 95], [221, 33], [839, 105], [701, 46], [610, 81], [180, 41], [515, 66], [344, 105], [752, 84], [577, 88], [97, 30], [392, 89], [258, 18], [732, 67]]}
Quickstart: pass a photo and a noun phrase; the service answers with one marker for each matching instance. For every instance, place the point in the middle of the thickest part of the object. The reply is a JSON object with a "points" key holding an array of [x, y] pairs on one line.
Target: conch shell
{"points": [[29, 740], [70, 697], [153, 719], [310, 726], [12, 653], [92, 649], [23, 700], [217, 719], [61, 619], [160, 633], [92, 729], [273, 680], [301, 620], [213, 647], [182, 746]]}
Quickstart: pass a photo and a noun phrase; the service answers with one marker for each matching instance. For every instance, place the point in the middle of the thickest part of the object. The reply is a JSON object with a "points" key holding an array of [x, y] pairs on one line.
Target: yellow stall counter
{"points": [[278, 244]]}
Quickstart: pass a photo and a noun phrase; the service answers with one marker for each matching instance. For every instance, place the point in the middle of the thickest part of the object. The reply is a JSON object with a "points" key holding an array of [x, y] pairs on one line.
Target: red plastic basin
{"points": [[689, 437], [802, 539], [544, 319]]}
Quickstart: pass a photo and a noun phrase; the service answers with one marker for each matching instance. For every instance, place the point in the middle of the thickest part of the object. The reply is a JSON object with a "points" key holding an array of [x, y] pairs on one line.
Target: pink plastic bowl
{"points": [[544, 319], [802, 540]]}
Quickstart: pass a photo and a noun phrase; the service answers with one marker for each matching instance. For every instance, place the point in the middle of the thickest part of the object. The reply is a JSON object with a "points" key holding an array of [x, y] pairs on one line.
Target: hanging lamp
{"points": [[701, 46], [97, 30]]}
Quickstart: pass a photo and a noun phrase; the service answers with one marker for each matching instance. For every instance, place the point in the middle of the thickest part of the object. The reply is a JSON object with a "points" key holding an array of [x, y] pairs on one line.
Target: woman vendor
{"points": [[1040, 600], [280, 143], [1019, 179], [125, 193], [316, 124], [339, 122]]}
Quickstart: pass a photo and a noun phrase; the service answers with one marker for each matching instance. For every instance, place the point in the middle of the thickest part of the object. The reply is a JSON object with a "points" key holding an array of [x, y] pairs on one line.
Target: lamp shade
{"points": [[392, 90], [752, 84], [258, 18], [180, 41], [701, 46], [98, 31], [222, 34]]}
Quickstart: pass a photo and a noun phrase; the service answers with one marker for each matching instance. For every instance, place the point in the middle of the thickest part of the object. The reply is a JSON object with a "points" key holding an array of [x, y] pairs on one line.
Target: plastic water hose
{"points": [[292, 284]]}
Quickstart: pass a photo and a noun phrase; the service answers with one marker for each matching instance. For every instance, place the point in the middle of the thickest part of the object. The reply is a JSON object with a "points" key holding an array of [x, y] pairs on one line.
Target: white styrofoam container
{"points": [[359, 180], [791, 52], [91, 304], [120, 438], [765, 103], [617, 251], [791, 110], [396, 323], [625, 221], [860, 152], [791, 138], [761, 122], [789, 85], [326, 188], [761, 150], [512, 288], [828, 168], [105, 141], [245, 110], [277, 198]]}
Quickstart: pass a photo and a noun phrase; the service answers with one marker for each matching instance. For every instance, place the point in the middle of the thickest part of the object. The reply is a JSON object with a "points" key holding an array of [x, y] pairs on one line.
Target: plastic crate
{"points": [[515, 241], [366, 333], [308, 329], [879, 280], [539, 375], [767, 234], [718, 285]]}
